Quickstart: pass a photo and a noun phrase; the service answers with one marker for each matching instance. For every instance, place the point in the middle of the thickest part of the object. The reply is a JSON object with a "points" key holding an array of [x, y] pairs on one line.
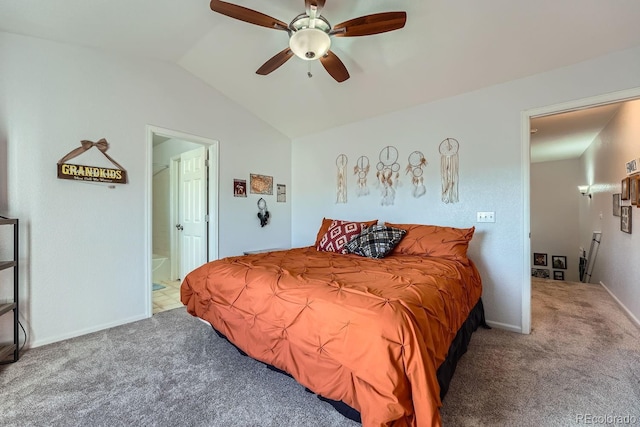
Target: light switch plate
{"points": [[486, 217]]}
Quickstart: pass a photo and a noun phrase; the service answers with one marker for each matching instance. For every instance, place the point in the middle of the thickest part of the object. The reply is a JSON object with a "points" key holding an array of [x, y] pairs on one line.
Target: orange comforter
{"points": [[368, 332]]}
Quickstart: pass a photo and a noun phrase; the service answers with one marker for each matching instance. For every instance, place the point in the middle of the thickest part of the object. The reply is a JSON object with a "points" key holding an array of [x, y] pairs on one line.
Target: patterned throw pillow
{"points": [[338, 235], [376, 241]]}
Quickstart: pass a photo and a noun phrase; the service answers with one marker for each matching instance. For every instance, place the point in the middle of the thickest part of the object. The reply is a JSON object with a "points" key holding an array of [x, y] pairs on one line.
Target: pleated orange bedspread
{"points": [[368, 332]]}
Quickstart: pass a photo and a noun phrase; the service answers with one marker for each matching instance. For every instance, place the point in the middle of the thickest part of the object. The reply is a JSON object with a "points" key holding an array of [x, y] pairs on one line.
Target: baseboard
{"points": [[62, 337], [504, 326], [633, 318]]}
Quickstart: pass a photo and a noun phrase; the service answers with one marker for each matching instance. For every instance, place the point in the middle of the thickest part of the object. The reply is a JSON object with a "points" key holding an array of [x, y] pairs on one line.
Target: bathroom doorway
{"points": [[182, 215]]}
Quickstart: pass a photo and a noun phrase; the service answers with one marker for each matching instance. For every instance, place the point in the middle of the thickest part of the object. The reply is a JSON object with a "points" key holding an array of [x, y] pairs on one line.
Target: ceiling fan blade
{"points": [[335, 67], [247, 15], [275, 62], [317, 3], [370, 24]]}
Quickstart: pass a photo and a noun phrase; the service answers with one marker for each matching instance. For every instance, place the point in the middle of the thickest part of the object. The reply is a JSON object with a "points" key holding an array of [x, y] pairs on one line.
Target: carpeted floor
{"points": [[582, 359]]}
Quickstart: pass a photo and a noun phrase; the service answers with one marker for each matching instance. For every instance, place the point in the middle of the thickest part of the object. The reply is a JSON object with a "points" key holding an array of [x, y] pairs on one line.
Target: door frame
{"points": [[174, 184], [212, 197], [525, 118]]}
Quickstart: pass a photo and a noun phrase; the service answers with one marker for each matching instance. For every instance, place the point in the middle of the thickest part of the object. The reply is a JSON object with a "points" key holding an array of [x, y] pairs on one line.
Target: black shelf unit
{"points": [[10, 352]]}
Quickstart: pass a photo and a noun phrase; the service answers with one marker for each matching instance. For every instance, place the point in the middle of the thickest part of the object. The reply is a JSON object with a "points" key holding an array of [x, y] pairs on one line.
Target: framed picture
{"points": [[541, 273], [539, 259], [633, 190], [558, 261], [632, 166], [616, 204], [625, 219], [239, 188], [261, 184], [624, 194], [281, 193], [558, 275]]}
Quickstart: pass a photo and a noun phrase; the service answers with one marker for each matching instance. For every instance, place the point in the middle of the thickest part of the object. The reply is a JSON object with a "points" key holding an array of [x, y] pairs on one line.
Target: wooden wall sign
{"points": [[91, 173]]}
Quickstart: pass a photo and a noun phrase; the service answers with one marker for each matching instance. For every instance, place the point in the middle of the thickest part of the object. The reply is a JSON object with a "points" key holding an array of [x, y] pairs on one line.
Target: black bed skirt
{"points": [[445, 372]]}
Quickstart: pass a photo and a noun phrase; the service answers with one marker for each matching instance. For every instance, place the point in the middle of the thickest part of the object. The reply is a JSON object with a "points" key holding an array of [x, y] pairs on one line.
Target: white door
{"points": [[192, 215]]}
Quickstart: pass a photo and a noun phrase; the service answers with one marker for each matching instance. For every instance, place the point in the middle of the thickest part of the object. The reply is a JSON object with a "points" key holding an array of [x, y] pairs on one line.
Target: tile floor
{"points": [[167, 298]]}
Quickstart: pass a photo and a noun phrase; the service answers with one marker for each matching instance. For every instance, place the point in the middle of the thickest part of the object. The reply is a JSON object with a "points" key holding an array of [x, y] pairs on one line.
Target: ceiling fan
{"points": [[310, 33]]}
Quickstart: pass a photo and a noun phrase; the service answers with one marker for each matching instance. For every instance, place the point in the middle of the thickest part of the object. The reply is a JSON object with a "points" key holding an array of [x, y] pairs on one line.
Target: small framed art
{"points": [[261, 184], [558, 275], [633, 189], [239, 188], [558, 261], [539, 259], [616, 204], [281, 193], [541, 273], [625, 219], [624, 184]]}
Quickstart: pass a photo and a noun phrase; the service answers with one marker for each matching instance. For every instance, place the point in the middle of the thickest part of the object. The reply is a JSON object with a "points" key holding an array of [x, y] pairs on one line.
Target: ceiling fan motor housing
{"points": [[309, 37]]}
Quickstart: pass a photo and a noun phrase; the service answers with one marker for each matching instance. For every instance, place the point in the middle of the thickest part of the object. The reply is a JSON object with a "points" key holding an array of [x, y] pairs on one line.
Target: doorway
{"points": [[527, 116], [182, 213]]}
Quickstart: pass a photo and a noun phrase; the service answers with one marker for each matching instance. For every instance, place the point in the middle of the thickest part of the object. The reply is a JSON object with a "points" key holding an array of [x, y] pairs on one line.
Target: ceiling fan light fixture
{"points": [[309, 43]]}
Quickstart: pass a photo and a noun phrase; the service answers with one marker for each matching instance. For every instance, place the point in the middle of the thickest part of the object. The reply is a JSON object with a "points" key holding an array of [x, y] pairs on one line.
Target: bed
{"points": [[378, 334]]}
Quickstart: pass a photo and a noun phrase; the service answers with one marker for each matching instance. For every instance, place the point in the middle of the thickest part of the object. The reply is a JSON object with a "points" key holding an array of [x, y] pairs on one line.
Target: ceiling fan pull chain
{"points": [[309, 69]]}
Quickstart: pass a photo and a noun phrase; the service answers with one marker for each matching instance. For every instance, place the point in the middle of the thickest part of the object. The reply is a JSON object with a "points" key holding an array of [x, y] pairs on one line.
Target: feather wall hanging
{"points": [[449, 169], [361, 170], [417, 162], [341, 163], [388, 166]]}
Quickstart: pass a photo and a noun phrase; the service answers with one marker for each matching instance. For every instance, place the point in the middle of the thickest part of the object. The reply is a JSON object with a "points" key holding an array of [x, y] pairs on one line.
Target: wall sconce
{"points": [[584, 190]]}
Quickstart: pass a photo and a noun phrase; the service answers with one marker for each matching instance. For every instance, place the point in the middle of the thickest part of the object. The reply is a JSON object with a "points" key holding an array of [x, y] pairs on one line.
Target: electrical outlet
{"points": [[486, 217]]}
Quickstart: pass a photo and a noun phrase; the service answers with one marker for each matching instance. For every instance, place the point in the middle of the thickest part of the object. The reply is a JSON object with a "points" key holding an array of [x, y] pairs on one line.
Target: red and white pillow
{"points": [[338, 235]]}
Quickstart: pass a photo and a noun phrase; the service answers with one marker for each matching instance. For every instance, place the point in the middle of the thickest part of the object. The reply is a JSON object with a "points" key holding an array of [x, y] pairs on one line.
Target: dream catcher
{"points": [[263, 213], [387, 167], [361, 170], [341, 163], [417, 162], [449, 169]]}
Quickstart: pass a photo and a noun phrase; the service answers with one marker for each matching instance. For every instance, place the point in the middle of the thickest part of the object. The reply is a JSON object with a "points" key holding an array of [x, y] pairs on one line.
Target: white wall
{"points": [[555, 220], [488, 125], [603, 167], [84, 246]]}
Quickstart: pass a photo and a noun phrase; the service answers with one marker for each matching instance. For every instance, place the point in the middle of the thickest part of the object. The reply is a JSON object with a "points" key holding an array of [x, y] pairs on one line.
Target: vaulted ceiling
{"points": [[446, 48]]}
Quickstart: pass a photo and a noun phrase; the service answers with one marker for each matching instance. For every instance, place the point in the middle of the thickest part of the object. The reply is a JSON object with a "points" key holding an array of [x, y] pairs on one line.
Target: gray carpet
{"points": [[583, 357]]}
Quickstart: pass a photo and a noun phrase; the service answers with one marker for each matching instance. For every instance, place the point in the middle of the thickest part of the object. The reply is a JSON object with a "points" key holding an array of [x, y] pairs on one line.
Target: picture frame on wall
{"points": [[539, 259], [239, 188], [540, 273], [261, 184], [624, 185], [281, 193], [633, 190], [616, 204], [559, 261], [625, 219], [558, 275]]}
